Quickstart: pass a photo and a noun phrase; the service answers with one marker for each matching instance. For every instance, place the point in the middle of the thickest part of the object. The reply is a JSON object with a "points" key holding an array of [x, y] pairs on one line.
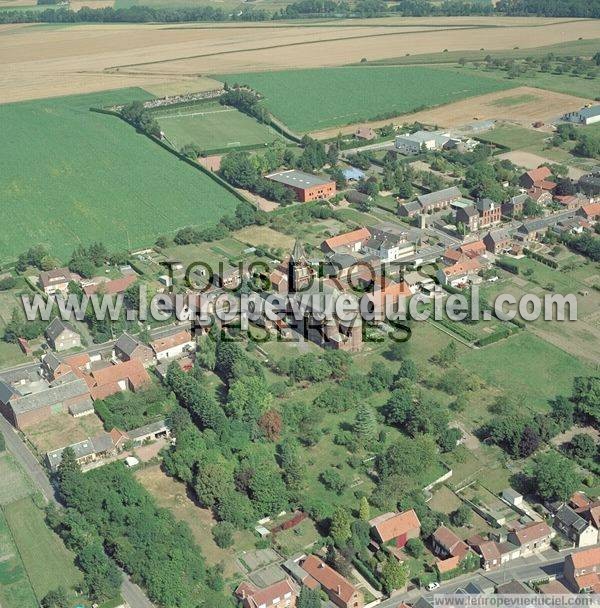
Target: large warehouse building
{"points": [[306, 187]]}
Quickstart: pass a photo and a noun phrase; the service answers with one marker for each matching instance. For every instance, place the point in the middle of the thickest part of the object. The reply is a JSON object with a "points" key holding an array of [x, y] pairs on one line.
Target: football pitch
{"points": [[72, 177], [308, 100], [212, 126]]}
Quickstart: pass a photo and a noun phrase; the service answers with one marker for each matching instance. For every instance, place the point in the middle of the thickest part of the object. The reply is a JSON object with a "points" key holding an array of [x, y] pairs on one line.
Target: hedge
{"points": [[2, 443], [507, 265], [366, 572], [499, 334], [540, 258], [458, 329]]}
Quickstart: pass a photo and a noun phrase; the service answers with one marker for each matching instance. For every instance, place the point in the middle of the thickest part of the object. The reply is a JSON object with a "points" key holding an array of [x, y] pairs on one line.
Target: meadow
{"points": [[48, 563], [213, 126], [72, 176], [307, 100]]}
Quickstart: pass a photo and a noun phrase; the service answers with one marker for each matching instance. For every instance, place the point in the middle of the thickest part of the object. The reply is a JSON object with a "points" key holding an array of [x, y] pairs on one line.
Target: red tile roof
{"points": [[532, 532], [396, 525], [446, 565], [450, 541], [585, 559], [328, 578], [348, 238], [591, 210], [78, 360], [473, 249], [539, 174], [111, 287], [579, 500], [465, 267], [489, 551], [255, 597], [105, 382], [162, 344]]}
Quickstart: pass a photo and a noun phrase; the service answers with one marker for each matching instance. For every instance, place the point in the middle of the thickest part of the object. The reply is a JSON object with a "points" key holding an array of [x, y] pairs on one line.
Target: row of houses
{"points": [[57, 280]]}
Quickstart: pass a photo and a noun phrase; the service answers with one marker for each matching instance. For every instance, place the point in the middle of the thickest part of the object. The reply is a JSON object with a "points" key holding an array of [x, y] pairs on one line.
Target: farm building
{"points": [[414, 143], [440, 199], [586, 116], [86, 451], [306, 187]]}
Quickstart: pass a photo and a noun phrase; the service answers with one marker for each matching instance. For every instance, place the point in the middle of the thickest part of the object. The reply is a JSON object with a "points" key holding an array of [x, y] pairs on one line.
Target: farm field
{"points": [[14, 484], [213, 126], [516, 137], [91, 177], [533, 105], [226, 5], [306, 100], [46, 60], [48, 563]]}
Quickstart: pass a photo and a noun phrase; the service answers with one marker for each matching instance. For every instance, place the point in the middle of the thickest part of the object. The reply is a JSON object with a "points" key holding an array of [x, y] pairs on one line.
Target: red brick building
{"points": [[306, 187]]}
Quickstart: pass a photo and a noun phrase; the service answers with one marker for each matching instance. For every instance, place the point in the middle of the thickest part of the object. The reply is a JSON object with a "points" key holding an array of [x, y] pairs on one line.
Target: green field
{"points": [[226, 5], [212, 126], [72, 176], [313, 99], [515, 138], [48, 563], [14, 485]]}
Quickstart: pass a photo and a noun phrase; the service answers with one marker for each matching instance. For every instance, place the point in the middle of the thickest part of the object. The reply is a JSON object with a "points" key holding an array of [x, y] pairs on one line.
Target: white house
{"points": [[173, 346]]}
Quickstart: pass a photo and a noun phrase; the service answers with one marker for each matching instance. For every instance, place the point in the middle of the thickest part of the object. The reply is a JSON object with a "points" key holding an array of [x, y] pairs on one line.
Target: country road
{"points": [[130, 592]]}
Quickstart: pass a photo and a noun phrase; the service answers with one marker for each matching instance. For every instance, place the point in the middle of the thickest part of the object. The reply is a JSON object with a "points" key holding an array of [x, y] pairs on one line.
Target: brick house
{"points": [[497, 241], [575, 527], [127, 348], [537, 178], [279, 595], [396, 527], [532, 538], [352, 241], [489, 212], [130, 375], [339, 591], [62, 336], [582, 570], [306, 187], [514, 206], [447, 544], [440, 199], [590, 212], [365, 133]]}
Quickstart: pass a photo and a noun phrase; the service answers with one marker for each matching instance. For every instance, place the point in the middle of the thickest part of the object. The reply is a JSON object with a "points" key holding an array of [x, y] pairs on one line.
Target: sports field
{"points": [[213, 126], [72, 176], [307, 100]]}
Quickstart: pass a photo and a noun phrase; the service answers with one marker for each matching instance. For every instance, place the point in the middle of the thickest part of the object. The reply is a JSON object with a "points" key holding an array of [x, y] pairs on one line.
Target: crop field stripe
{"points": [[311, 99], [195, 114]]}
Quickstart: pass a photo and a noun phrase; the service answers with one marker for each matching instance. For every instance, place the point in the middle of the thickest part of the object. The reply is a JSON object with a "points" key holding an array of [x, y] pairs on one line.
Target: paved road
{"points": [[130, 592], [540, 566]]}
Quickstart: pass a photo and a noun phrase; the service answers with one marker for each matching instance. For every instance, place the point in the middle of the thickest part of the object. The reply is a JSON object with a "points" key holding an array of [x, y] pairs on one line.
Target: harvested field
{"points": [[546, 106], [529, 160], [263, 235], [42, 61]]}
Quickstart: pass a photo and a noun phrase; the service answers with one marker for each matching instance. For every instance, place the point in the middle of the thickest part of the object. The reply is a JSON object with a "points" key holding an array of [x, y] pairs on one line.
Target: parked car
{"points": [[432, 586]]}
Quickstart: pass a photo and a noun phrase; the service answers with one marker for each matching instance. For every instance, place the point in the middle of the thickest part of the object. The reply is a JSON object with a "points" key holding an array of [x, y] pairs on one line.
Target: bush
{"points": [[223, 534], [415, 547], [2, 443], [499, 334], [7, 283], [507, 265]]}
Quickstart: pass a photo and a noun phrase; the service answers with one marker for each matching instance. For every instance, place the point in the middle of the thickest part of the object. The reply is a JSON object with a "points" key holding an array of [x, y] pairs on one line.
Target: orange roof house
{"points": [[277, 595], [110, 288], [582, 570], [341, 592], [397, 527], [537, 178], [590, 212], [352, 240], [129, 375]]}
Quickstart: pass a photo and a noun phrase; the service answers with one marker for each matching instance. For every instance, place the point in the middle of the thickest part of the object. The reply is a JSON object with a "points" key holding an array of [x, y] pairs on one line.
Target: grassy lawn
{"points": [[13, 485], [92, 177], [213, 126], [171, 494], [514, 137], [264, 236], [15, 588], [312, 99], [48, 563], [526, 365]]}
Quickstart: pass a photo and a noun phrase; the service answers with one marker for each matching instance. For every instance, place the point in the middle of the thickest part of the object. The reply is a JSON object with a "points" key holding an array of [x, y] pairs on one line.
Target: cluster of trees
{"points": [[586, 244], [245, 101], [86, 260], [245, 215], [244, 170], [550, 8], [19, 327], [109, 517], [38, 257], [128, 410], [140, 118]]}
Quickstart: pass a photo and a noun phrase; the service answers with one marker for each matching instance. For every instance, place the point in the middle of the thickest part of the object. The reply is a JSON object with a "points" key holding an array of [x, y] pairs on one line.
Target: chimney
{"points": [[339, 589]]}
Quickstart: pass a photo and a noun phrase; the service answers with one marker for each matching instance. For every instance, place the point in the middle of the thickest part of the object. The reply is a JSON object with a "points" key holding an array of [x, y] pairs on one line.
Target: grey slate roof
{"points": [[298, 179], [411, 206], [498, 236], [56, 327], [513, 587], [468, 211], [51, 361], [102, 443], [434, 198], [153, 427], [354, 196], [570, 519], [6, 392], [590, 112], [81, 408], [485, 204], [51, 396], [82, 449], [126, 343]]}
